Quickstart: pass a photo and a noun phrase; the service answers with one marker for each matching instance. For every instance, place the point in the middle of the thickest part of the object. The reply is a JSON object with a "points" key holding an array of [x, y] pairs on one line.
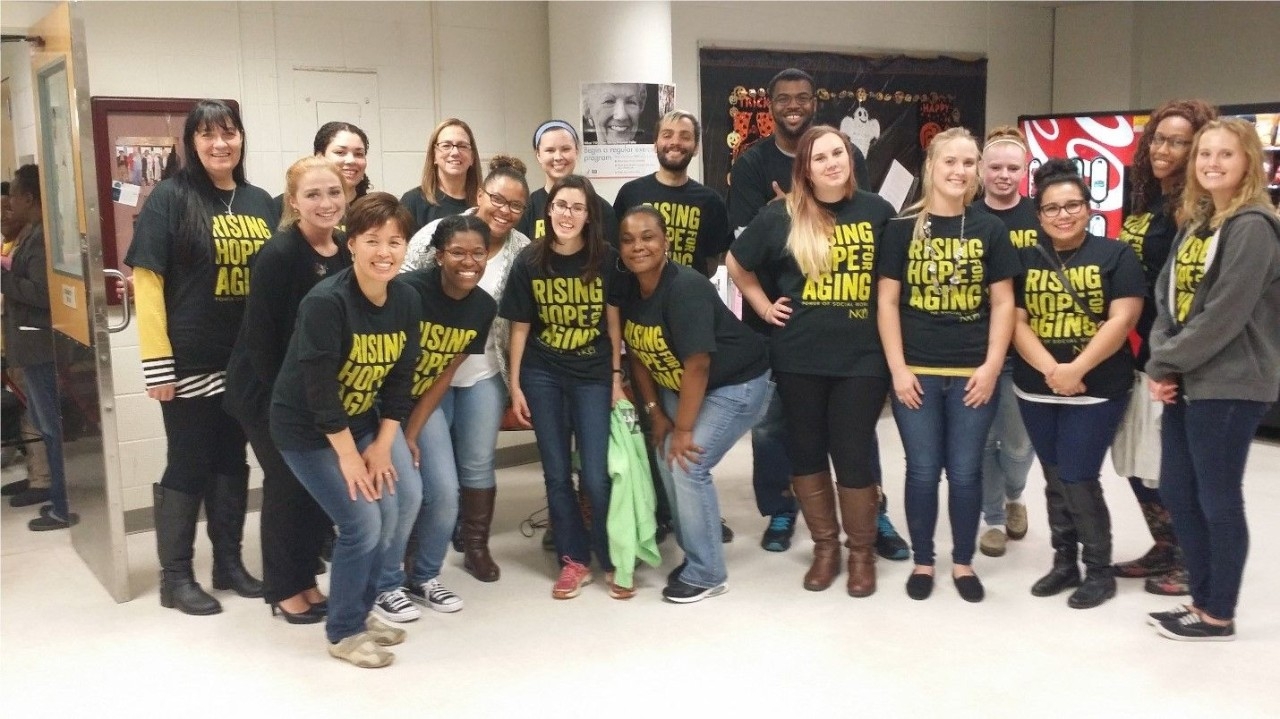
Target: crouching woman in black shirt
{"points": [[704, 379], [355, 345]]}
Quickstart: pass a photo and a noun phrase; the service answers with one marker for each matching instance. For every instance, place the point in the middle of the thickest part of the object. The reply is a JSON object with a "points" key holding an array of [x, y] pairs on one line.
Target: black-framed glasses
{"points": [[459, 255], [1071, 208], [1175, 143], [803, 99], [447, 147], [577, 209], [503, 203]]}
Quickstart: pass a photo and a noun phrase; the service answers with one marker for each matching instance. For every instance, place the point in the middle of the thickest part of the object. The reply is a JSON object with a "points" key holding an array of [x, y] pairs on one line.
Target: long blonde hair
{"points": [[292, 177], [809, 240], [1197, 204], [926, 177]]}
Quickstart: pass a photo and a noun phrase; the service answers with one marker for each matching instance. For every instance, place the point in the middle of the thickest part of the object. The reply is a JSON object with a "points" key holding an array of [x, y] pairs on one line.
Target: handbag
{"points": [[1135, 450]]}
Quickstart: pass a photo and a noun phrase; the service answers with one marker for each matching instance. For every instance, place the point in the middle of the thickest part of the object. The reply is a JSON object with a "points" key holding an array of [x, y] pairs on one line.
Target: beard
{"points": [[780, 128], [678, 166]]}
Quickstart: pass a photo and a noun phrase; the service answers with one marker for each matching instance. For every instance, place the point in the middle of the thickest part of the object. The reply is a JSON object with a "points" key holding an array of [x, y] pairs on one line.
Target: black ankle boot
{"points": [[175, 517], [225, 506], [1093, 524], [1062, 535]]}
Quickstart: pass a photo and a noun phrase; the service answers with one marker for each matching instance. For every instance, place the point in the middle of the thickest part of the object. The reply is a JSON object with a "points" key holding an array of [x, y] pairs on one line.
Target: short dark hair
{"points": [[453, 224], [26, 181], [1055, 171], [676, 116], [791, 73], [649, 210], [375, 210]]}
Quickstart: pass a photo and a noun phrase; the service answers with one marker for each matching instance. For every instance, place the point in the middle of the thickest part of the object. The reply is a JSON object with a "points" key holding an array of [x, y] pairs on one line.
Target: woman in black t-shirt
{"points": [[566, 350], [450, 175], [192, 246], [556, 143], [456, 317], [704, 379], [820, 247], [945, 318], [336, 414], [307, 248], [1073, 374], [1159, 173]]}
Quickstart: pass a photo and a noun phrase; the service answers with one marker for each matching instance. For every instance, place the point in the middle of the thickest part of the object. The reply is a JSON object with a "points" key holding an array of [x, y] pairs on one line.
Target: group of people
{"points": [[369, 347]]}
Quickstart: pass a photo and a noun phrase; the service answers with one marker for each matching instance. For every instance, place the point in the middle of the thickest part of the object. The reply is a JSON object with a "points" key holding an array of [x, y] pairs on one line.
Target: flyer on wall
{"points": [[618, 120]]}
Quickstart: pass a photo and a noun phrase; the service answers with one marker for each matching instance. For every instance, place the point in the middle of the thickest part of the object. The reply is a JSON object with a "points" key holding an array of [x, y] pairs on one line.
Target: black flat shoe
{"points": [[321, 607], [969, 587], [311, 616], [920, 586]]}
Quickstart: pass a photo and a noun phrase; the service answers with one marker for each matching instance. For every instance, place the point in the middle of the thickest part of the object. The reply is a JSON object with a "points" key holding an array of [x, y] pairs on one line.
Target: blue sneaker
{"points": [[777, 537], [888, 543]]}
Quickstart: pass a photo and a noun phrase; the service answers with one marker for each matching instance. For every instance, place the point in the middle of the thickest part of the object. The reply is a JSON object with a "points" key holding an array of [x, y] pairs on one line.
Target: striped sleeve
{"points": [[153, 329]]}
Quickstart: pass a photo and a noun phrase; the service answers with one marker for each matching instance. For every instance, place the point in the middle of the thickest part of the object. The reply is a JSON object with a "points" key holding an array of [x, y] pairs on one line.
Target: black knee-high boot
{"points": [[1093, 525], [1062, 535], [176, 514], [225, 505]]}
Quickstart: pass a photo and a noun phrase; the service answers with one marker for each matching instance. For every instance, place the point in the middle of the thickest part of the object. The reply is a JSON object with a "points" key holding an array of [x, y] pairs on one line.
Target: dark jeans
{"points": [[204, 441], [552, 397], [293, 526], [944, 434], [833, 417], [770, 468], [1204, 446], [1073, 437], [40, 382]]}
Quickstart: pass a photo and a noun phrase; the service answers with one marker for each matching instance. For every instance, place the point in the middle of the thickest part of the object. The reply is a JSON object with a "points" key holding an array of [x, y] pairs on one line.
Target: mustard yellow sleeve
{"points": [[153, 328]]}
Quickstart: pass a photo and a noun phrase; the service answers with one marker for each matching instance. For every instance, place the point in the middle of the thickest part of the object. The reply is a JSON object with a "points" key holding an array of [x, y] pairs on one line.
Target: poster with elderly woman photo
{"points": [[617, 127]]}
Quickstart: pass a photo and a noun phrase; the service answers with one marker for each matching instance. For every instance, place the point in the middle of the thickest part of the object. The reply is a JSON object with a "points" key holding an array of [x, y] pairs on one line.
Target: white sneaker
{"points": [[394, 606], [434, 594]]}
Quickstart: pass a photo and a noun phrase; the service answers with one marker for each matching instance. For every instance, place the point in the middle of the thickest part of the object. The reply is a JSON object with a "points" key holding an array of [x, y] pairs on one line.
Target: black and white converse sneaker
{"points": [[1155, 619], [394, 606], [1192, 628], [433, 594]]}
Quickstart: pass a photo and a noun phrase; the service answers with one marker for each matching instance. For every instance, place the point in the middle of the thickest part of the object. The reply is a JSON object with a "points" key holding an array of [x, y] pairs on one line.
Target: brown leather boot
{"points": [[477, 517], [858, 510], [817, 502]]}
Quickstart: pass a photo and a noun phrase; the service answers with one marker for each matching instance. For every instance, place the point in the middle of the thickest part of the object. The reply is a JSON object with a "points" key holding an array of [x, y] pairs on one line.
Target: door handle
{"points": [[128, 307]]}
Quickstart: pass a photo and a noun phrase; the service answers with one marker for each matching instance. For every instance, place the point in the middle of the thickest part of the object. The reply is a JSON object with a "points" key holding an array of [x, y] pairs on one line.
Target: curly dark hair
{"points": [[1145, 187]]}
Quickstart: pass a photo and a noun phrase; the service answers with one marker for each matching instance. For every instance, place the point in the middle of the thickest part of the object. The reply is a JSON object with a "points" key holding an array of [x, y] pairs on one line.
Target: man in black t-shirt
{"points": [[760, 175], [697, 220]]}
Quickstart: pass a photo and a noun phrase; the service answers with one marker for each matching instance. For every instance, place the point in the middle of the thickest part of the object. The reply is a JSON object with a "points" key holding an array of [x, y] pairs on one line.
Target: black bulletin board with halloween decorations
{"points": [[889, 106]]}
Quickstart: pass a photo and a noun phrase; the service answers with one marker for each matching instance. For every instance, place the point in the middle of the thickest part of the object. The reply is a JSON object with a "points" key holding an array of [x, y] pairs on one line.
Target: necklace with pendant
{"points": [[931, 267], [228, 203]]}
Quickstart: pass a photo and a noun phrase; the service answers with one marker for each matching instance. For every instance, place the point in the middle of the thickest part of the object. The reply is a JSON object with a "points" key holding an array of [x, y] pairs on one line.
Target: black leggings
{"points": [[204, 441], [836, 417]]}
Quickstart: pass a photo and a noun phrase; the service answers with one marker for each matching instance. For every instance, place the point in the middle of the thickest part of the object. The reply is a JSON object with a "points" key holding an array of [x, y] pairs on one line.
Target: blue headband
{"points": [[550, 125]]}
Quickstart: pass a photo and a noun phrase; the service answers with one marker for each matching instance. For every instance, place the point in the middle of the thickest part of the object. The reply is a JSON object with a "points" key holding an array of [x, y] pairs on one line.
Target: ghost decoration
{"points": [[861, 129]]}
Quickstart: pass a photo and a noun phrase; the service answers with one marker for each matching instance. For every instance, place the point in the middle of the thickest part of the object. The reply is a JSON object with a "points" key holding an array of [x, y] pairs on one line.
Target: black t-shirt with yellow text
{"points": [[945, 302], [205, 295], [425, 212], [1021, 221], [1190, 261], [349, 363], [696, 218], [685, 316], [1100, 271], [449, 327], [568, 326], [832, 328], [1150, 234]]}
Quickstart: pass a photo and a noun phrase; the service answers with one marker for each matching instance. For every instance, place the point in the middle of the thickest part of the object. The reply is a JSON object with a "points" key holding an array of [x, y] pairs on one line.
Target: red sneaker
{"points": [[572, 577]]}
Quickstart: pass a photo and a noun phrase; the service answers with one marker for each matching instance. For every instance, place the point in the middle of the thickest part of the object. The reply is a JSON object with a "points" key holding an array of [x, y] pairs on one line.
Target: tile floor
{"points": [[767, 648]]}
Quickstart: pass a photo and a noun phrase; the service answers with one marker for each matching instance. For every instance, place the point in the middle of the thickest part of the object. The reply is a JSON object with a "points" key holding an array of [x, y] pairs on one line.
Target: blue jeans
{"points": [[475, 416], [365, 529], [552, 398], [1008, 455], [40, 382], [437, 510], [770, 468], [1073, 437], [943, 433], [726, 414], [1204, 446]]}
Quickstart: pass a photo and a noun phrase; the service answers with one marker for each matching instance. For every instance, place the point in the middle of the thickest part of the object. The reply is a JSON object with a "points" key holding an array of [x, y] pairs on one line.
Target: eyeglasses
{"points": [[575, 210], [458, 255], [447, 147], [1071, 208], [503, 203], [1176, 143], [803, 99]]}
